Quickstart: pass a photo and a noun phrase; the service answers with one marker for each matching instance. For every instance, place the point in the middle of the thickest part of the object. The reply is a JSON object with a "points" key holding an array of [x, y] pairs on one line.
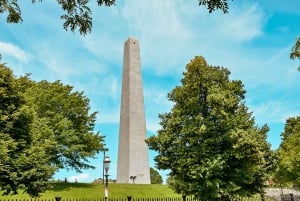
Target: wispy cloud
{"points": [[273, 112], [8, 49], [242, 24], [157, 24], [274, 62], [109, 115], [106, 47]]}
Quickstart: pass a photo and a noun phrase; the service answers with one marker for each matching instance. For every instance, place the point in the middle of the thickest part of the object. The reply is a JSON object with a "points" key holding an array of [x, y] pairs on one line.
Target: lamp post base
{"points": [[106, 187]]}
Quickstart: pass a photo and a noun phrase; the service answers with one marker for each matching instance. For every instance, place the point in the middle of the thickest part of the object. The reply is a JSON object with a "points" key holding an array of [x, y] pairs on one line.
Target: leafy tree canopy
{"points": [[68, 123], [213, 5], [155, 177], [78, 12], [208, 140], [296, 51], [289, 152], [44, 126]]}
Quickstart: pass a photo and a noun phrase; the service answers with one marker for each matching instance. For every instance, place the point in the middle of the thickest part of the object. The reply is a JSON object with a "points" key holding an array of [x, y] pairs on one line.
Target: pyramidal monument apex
{"points": [[133, 162]]}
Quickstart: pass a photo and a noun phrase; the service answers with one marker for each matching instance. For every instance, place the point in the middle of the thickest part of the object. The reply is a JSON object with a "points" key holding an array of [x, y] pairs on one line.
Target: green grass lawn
{"points": [[89, 190], [95, 191]]}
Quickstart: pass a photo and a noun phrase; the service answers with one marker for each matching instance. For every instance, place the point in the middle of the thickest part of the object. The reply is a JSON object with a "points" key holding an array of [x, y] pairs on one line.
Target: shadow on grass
{"points": [[68, 186]]}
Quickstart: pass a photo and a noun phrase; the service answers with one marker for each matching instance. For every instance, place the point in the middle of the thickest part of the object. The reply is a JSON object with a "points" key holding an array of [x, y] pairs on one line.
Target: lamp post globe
{"points": [[106, 163]]}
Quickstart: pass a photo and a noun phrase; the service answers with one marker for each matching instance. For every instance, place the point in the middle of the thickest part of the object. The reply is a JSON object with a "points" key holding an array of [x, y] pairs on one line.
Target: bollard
{"points": [[129, 197], [292, 197], [57, 198]]}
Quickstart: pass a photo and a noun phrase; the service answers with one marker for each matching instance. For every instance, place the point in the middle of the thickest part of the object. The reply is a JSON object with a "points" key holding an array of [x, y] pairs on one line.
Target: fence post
{"points": [[129, 197], [262, 196], [292, 197], [57, 198]]}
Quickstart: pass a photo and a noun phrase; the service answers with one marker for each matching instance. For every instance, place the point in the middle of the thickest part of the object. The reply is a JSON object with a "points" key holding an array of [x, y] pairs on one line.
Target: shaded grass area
{"points": [[96, 191]]}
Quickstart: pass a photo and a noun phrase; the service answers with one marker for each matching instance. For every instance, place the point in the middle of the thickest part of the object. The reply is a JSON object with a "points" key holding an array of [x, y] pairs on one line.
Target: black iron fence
{"points": [[129, 198], [290, 197]]}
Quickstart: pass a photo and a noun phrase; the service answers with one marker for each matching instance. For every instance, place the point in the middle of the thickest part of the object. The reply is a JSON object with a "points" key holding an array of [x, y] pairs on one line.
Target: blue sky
{"points": [[253, 41]]}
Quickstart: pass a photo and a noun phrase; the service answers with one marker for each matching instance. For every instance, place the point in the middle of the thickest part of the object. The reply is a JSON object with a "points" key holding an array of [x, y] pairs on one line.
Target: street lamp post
{"points": [[106, 167], [103, 167]]}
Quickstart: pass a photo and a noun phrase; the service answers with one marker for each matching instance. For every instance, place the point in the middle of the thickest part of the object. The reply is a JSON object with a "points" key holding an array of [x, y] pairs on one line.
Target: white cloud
{"points": [[273, 112], [242, 24], [156, 102], [14, 51], [173, 32], [157, 25], [105, 47], [153, 126], [109, 115], [57, 67], [82, 177], [107, 85], [72, 67], [269, 66]]}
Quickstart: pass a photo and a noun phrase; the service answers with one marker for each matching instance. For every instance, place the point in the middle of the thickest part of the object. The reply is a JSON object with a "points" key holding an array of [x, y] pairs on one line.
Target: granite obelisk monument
{"points": [[133, 163]]}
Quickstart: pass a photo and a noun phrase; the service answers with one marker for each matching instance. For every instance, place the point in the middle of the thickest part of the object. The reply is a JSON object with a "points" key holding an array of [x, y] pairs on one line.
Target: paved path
{"points": [[275, 192]]}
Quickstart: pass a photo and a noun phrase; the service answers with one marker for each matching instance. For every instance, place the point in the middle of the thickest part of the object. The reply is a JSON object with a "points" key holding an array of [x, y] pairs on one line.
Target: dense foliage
{"points": [[43, 127], [208, 140], [289, 152], [78, 13], [155, 177], [20, 164]]}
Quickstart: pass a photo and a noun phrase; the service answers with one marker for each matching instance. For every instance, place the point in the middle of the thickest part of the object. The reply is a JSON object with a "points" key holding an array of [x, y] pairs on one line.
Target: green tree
{"points": [[67, 123], [43, 127], [296, 51], [155, 177], [208, 140], [23, 162], [289, 152], [78, 12]]}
